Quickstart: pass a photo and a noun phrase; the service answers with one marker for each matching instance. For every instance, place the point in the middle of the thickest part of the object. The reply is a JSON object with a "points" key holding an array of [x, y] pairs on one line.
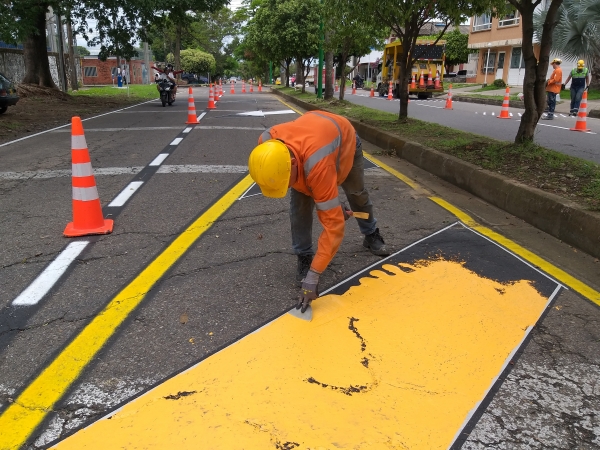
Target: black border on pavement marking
{"points": [[493, 253]]}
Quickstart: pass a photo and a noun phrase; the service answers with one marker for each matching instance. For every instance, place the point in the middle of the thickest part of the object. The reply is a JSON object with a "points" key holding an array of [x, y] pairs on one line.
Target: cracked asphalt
{"points": [[240, 274]]}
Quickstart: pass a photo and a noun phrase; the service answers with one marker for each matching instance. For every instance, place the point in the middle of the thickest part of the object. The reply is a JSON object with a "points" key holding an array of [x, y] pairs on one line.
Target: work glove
{"points": [[308, 292], [347, 211], [587, 87], [562, 87]]}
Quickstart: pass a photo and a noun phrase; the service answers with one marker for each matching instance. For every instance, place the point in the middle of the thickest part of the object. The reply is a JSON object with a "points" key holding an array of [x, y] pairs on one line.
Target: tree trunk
{"points": [[328, 94], [405, 66], [534, 83], [35, 53], [343, 59], [177, 55]]}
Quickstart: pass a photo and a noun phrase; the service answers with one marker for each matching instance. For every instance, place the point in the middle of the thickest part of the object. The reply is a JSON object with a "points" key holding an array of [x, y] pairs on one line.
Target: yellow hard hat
{"points": [[580, 63], [270, 165]]}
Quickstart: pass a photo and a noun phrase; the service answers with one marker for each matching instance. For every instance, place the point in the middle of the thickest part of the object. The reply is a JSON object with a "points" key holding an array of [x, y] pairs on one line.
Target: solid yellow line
{"points": [[289, 106], [23, 416]]}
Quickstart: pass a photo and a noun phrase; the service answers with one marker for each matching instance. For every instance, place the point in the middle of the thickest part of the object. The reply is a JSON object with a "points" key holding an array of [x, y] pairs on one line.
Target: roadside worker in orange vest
{"points": [[553, 86], [314, 155]]}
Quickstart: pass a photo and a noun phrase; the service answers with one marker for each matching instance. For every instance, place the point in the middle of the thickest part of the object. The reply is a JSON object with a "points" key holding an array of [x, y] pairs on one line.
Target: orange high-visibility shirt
{"points": [[555, 81], [324, 145]]}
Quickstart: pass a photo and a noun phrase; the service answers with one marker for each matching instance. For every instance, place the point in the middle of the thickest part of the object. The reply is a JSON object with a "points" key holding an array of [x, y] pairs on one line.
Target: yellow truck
{"points": [[431, 60]]}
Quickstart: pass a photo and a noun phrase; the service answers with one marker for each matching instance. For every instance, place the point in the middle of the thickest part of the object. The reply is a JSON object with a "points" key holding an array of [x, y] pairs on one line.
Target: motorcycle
{"points": [[166, 89]]}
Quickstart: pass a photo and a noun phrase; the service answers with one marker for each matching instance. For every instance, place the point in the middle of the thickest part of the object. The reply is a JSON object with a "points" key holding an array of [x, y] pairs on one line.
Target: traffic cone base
{"points": [[581, 124], [87, 210]]}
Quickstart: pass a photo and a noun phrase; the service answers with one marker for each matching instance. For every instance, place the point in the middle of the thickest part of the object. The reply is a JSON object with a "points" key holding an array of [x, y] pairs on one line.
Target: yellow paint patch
{"points": [[396, 362]]}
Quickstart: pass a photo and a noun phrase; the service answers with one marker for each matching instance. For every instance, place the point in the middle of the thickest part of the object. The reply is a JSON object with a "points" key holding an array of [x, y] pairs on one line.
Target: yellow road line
{"points": [[23, 416], [290, 106], [559, 274]]}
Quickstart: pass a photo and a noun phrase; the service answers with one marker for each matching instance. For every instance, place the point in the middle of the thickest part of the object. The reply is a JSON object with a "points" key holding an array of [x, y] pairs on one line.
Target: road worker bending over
{"points": [[314, 155]]}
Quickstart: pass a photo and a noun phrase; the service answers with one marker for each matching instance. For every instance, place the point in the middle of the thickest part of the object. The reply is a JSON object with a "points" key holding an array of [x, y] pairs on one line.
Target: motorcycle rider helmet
{"points": [[170, 66]]}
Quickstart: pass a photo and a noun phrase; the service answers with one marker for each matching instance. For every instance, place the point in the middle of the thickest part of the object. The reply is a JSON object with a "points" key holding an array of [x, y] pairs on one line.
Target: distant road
{"points": [[482, 119]]}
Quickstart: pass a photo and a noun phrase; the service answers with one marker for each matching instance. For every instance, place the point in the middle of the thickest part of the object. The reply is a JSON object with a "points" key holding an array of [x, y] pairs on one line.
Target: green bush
{"points": [[499, 83]]}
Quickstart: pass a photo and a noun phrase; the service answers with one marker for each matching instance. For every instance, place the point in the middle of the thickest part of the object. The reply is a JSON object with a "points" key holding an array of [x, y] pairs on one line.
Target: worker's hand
{"points": [[562, 87], [347, 211], [587, 87], [308, 292]]}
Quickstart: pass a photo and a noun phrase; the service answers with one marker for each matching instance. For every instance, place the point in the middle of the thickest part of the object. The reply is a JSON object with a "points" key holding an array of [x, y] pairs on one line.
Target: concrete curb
{"points": [[556, 216], [487, 101]]}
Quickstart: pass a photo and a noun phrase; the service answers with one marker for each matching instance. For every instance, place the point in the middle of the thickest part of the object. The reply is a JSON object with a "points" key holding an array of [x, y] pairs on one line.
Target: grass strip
{"points": [[133, 91], [567, 176]]}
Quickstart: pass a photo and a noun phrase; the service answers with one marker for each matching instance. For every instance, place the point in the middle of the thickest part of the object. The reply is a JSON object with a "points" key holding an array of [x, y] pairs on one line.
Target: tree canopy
{"points": [[197, 61]]}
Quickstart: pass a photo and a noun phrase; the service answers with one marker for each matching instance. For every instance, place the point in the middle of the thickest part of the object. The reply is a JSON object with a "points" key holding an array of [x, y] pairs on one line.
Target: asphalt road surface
{"points": [[502, 344], [483, 120]]}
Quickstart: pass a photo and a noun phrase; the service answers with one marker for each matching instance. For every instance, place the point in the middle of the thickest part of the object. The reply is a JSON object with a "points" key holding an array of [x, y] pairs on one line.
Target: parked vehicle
{"points": [[8, 94], [166, 89], [431, 60]]}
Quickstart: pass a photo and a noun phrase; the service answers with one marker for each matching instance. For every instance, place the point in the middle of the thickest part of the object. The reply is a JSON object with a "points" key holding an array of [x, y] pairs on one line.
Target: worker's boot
{"points": [[374, 242], [304, 262]]}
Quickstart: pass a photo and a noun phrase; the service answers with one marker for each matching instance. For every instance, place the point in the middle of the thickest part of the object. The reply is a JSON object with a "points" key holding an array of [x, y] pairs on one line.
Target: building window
{"points": [[90, 72], [488, 64], [512, 18], [483, 22], [516, 58]]}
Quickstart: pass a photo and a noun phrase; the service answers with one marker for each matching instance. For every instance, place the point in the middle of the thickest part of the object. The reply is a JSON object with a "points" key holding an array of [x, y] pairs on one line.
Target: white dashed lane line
{"points": [[125, 194]]}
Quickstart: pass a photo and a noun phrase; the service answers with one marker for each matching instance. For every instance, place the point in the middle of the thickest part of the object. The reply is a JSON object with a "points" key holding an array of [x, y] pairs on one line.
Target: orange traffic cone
{"points": [[581, 124], [413, 83], [437, 80], [390, 93], [259, 86], [220, 89], [354, 88], [87, 211], [232, 91], [192, 117], [504, 112], [337, 88], [251, 87], [422, 81], [211, 98], [372, 94], [243, 87], [430, 78], [449, 99]]}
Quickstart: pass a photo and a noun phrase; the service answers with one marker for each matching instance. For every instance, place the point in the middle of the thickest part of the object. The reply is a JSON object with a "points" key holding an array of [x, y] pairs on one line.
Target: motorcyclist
{"points": [[169, 74], [358, 80]]}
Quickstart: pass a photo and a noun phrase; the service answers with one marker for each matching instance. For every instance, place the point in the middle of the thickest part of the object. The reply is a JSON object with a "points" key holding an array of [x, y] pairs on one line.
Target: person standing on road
{"points": [[553, 86], [581, 81], [313, 155]]}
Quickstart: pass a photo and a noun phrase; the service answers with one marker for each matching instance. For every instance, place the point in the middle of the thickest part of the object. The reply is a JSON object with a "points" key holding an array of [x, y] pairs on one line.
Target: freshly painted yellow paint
{"points": [[22, 417], [396, 362]]}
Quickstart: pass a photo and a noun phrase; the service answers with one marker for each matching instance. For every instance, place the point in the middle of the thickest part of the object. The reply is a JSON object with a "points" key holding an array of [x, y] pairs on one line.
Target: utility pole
{"points": [[61, 55], [147, 63], [321, 56], [72, 43]]}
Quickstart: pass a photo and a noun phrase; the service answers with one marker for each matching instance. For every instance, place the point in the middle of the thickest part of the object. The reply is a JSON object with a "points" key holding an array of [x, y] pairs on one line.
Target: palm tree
{"points": [[577, 34]]}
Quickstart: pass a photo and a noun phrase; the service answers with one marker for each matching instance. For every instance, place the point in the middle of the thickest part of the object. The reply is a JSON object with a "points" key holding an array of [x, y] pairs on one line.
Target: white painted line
{"points": [[124, 195], [510, 114], [493, 114], [562, 115], [192, 168], [176, 141], [247, 190], [230, 128], [430, 106], [520, 115], [201, 116], [68, 124], [485, 114], [187, 130], [48, 278], [251, 113], [284, 111], [563, 128], [89, 130], [159, 159], [45, 174]]}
